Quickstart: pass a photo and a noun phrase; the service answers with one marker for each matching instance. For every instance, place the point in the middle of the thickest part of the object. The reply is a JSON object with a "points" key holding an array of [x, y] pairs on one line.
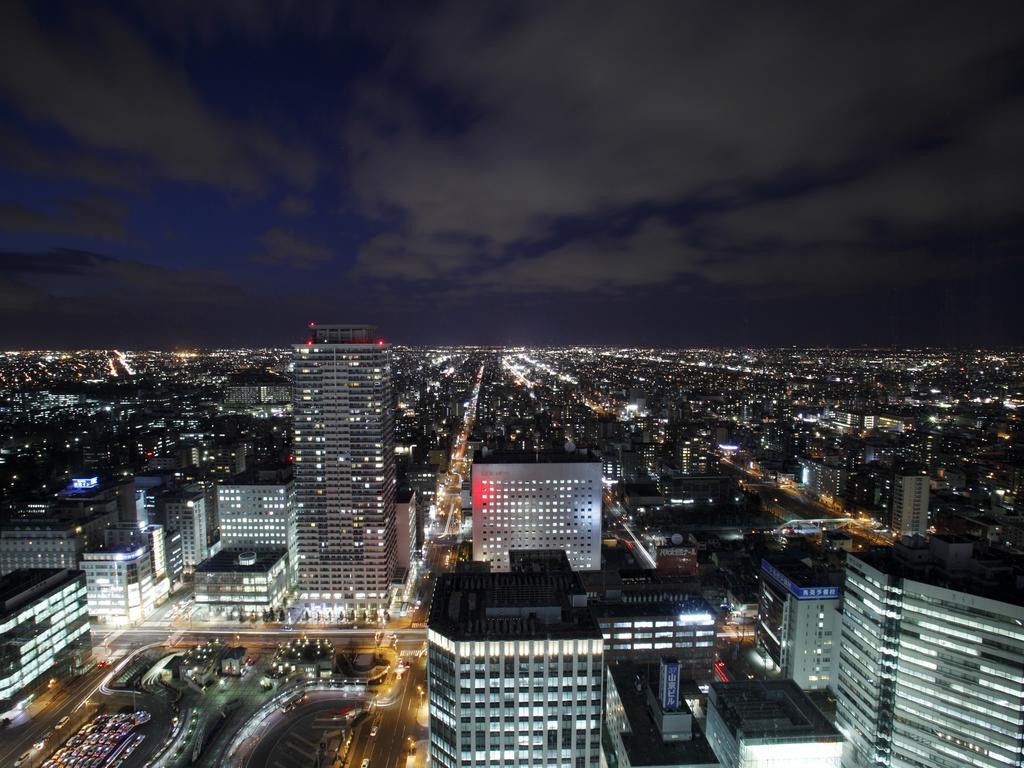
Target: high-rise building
{"points": [[534, 500], [344, 468], [185, 511], [256, 512], [797, 622], [406, 516], [930, 670], [755, 724], [910, 504], [514, 667]]}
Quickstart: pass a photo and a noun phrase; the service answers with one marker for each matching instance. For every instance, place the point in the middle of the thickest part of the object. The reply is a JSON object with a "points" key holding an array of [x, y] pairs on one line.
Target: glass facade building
{"points": [[44, 623]]}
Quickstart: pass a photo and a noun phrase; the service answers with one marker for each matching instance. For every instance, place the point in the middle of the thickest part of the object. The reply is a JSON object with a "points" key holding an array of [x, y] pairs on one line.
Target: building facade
{"points": [[798, 622], [930, 670], [537, 500], [515, 671], [910, 504], [242, 583], [344, 469], [185, 511], [257, 515], [121, 587], [44, 625]]}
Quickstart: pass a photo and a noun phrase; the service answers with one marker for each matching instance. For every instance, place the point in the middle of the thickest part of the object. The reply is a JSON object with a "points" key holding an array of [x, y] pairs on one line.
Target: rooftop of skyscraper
{"points": [[955, 562], [770, 710], [535, 601]]}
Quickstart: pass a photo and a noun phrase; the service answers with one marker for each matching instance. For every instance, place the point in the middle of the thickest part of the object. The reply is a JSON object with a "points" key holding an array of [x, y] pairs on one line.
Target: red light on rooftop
{"points": [[312, 324], [309, 342], [380, 342], [291, 458]]}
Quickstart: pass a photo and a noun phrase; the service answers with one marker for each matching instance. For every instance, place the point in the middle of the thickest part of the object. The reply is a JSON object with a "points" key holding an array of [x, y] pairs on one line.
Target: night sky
{"points": [[680, 173]]}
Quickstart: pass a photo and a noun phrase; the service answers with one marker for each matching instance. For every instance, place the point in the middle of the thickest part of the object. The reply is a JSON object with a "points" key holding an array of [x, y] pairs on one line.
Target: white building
{"points": [[798, 622], [185, 511], [344, 468], [121, 587], [256, 512], [537, 500], [515, 670], [43, 620], [769, 724], [930, 664], [910, 504]]}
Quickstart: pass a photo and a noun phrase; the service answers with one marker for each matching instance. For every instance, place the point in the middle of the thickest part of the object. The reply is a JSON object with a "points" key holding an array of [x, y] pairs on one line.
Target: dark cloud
{"points": [[285, 248], [793, 139], [107, 90], [296, 206], [94, 217], [592, 171]]}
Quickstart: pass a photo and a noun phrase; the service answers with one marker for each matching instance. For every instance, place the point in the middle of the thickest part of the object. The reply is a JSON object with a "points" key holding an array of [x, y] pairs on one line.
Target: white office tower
{"points": [[798, 621], [514, 669], [185, 511], [910, 504], [344, 469], [537, 499], [931, 664]]}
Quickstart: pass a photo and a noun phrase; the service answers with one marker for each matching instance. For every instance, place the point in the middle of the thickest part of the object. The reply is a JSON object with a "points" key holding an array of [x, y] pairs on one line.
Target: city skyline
{"points": [[214, 176]]}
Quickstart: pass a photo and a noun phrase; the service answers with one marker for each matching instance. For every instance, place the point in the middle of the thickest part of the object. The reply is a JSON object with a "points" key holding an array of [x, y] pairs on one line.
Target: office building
{"points": [[248, 389], [515, 668], [649, 720], [646, 631], [798, 621], [185, 511], [930, 663], [55, 541], [44, 628], [243, 583], [769, 725], [537, 500], [152, 537], [910, 504], [256, 512], [86, 496], [121, 587], [344, 469]]}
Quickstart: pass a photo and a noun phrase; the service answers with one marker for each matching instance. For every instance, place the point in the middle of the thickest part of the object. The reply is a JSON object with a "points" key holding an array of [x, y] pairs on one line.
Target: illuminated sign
{"points": [[669, 685], [800, 593], [84, 483]]}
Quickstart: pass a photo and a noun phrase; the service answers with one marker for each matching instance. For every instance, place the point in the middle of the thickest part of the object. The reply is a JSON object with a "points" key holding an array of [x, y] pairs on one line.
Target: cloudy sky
{"points": [[676, 173]]}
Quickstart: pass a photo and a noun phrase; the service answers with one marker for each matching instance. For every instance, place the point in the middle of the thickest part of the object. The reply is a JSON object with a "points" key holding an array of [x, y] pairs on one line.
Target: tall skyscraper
{"points": [[930, 662], [515, 667], [344, 469], [910, 503]]}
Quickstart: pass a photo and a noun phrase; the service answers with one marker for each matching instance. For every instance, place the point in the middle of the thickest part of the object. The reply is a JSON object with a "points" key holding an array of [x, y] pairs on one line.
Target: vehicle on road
{"points": [[24, 759], [373, 731], [365, 763], [63, 721]]}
